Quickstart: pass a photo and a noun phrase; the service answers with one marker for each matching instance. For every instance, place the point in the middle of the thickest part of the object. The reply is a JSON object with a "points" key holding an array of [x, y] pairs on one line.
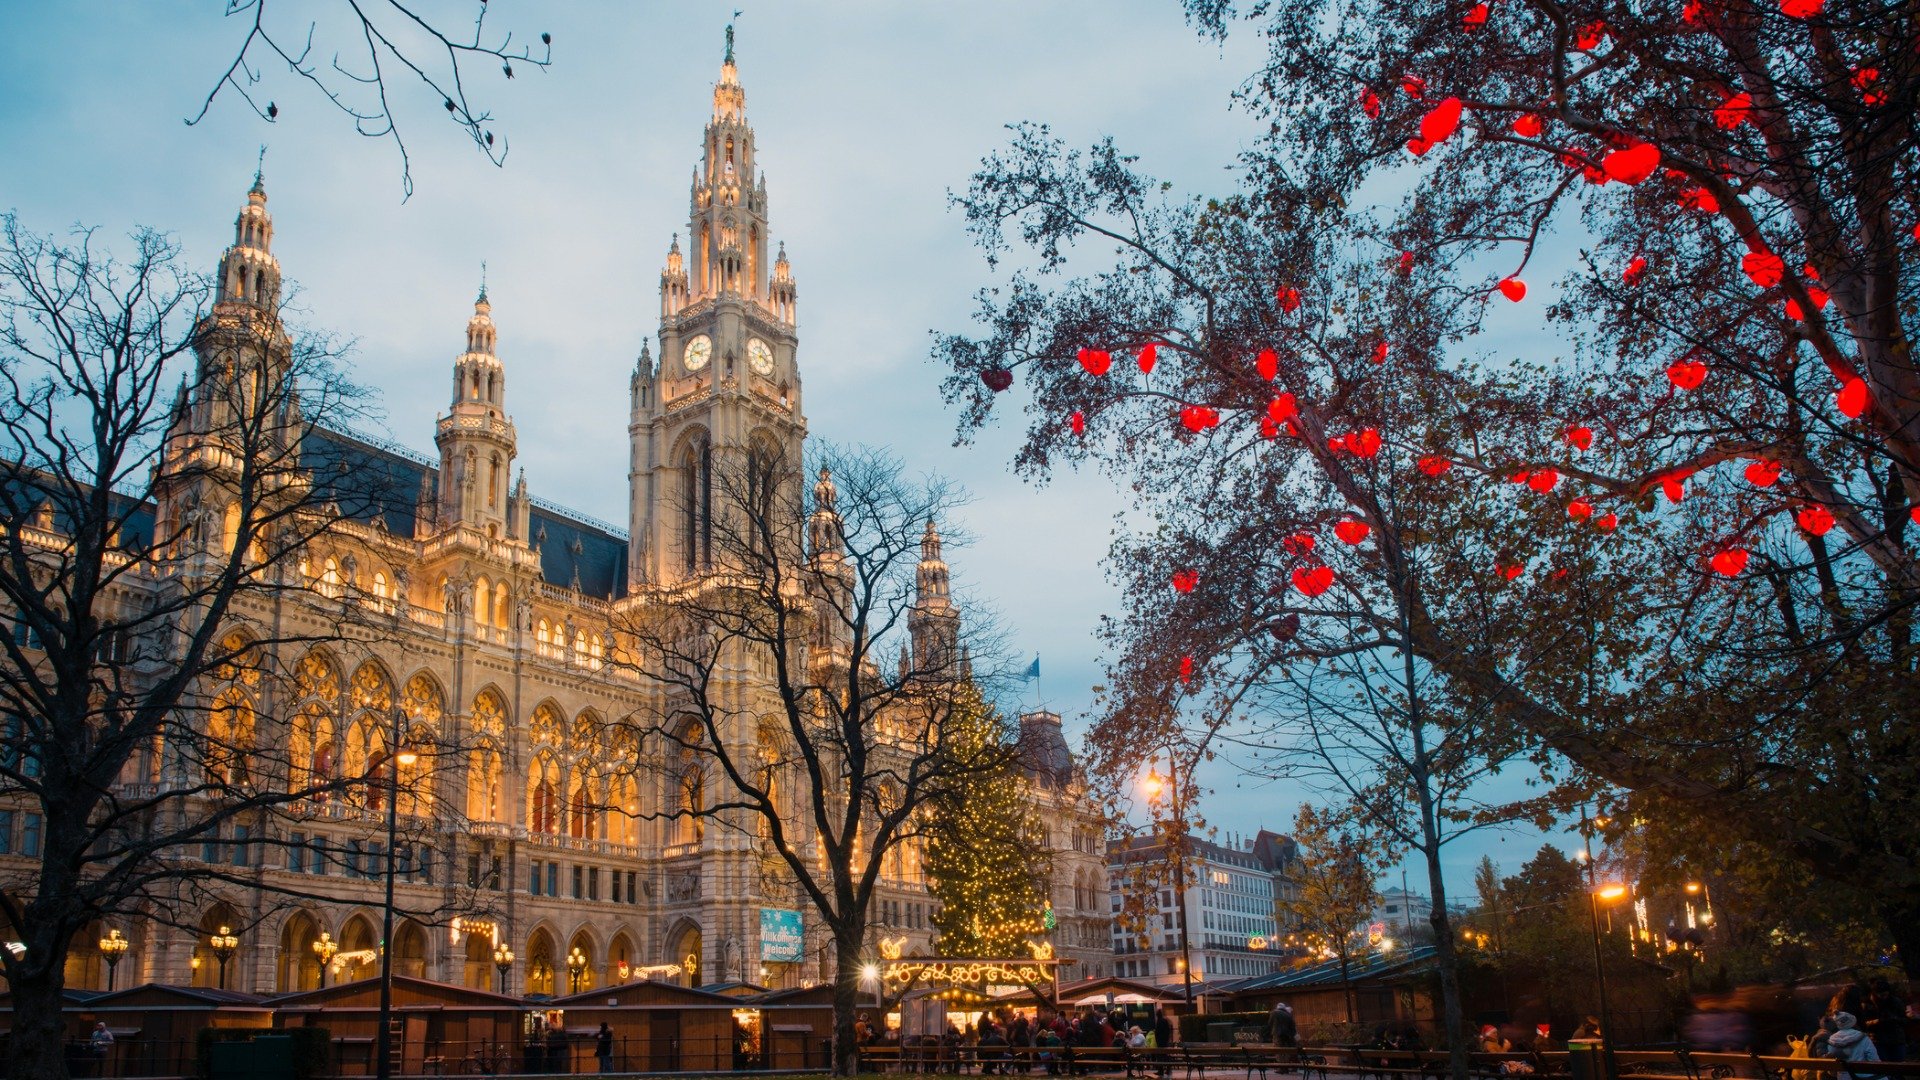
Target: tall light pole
{"points": [[112, 948], [576, 967], [1177, 806], [324, 947], [503, 959], [223, 944], [383, 1039]]}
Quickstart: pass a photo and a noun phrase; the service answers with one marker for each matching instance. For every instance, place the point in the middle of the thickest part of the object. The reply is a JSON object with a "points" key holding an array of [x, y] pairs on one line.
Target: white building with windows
{"points": [[1229, 912]]}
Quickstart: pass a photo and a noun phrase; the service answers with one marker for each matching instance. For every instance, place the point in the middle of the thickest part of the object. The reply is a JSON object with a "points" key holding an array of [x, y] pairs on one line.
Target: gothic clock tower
{"points": [[726, 386]]}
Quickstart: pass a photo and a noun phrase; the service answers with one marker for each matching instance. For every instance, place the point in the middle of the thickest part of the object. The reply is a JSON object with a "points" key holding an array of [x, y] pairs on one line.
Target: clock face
{"points": [[760, 357], [699, 351]]}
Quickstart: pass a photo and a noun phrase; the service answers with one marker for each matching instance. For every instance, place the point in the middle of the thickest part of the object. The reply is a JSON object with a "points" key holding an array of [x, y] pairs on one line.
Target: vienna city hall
{"points": [[547, 864]]}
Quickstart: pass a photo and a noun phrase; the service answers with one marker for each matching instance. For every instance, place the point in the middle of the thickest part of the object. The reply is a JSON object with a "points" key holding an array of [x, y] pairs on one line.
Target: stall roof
{"points": [[437, 994], [735, 988], [1374, 966], [643, 992], [155, 995], [1124, 991]]}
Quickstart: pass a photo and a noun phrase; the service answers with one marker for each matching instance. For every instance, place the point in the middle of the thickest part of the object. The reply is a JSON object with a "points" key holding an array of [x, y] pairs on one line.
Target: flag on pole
{"points": [[1033, 669]]}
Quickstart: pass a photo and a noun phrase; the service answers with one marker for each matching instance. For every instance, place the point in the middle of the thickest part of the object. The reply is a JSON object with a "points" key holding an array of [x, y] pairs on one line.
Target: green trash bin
{"points": [[265, 1057], [1587, 1059]]}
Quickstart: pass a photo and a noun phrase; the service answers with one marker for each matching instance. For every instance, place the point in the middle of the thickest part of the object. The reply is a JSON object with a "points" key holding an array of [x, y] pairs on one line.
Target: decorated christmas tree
{"points": [[986, 860]]}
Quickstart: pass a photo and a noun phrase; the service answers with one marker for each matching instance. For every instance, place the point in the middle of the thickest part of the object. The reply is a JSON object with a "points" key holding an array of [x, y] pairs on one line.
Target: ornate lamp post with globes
{"points": [[112, 948], [224, 944], [576, 967], [325, 947], [503, 959]]}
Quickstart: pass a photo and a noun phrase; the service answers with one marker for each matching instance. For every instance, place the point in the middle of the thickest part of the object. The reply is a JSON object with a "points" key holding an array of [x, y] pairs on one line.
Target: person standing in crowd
{"points": [[1282, 1029], [603, 1047], [1163, 1040], [1885, 1020], [100, 1044]]}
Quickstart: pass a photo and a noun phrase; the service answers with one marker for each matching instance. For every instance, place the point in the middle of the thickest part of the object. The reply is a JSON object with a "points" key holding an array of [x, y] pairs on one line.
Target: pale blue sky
{"points": [[866, 115]]}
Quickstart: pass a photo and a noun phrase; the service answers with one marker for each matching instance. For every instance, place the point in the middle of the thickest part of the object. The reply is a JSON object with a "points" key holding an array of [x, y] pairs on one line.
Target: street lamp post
{"points": [[383, 1065], [223, 944], [112, 948], [503, 959], [1176, 805], [576, 967], [325, 947]]}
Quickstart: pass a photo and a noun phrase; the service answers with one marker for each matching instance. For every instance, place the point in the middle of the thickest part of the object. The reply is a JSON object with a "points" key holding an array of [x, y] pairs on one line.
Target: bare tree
{"points": [[780, 714], [362, 55], [152, 562]]}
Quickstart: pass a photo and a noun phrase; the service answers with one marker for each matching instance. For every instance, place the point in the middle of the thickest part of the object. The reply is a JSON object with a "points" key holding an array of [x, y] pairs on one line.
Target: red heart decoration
{"points": [[1580, 438], [1734, 111], [1580, 509], [997, 379], [1819, 297], [1694, 13], [1406, 257], [1632, 165], [1380, 352], [1914, 515], [1509, 570], [1313, 580], [1607, 522], [1199, 417], [1418, 147], [1413, 85], [1149, 355], [1763, 473], [1631, 275], [1852, 398], [1096, 361], [1673, 489], [1729, 561], [1764, 267], [1687, 374], [1815, 519], [1351, 530], [1700, 199], [1527, 125], [1434, 465], [1801, 9], [1369, 103], [1186, 669], [1365, 442], [1282, 407], [1337, 444], [1543, 480], [1519, 477], [1269, 429], [1078, 423], [1590, 36], [1513, 289], [1267, 364], [1185, 580], [1475, 16], [1297, 544], [1289, 298], [1441, 121]]}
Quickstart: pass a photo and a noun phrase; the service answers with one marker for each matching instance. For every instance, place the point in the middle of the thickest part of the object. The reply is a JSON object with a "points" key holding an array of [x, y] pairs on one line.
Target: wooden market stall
{"points": [[656, 1026], [437, 1025], [155, 1026]]}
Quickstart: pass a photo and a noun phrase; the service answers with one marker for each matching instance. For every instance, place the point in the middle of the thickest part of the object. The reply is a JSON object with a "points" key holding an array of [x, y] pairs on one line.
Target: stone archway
{"points": [[543, 962], [359, 951], [299, 964], [221, 920], [621, 959], [684, 948], [410, 950], [476, 965]]}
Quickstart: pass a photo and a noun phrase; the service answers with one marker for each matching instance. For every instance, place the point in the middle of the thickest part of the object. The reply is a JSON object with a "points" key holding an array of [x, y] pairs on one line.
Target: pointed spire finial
{"points": [[260, 172], [728, 59], [483, 283]]}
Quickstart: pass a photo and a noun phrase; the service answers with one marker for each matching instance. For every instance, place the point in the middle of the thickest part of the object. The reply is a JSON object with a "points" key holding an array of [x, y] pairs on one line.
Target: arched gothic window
{"points": [[696, 528]]}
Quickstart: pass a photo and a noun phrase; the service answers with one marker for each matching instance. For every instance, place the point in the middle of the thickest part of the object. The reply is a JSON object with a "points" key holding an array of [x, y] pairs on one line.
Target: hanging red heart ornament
{"points": [[997, 379], [1441, 121], [1434, 465], [1801, 9], [1380, 352], [1407, 257], [1475, 16], [1413, 86], [1299, 545], [1687, 374], [1607, 522], [1288, 298], [1198, 418], [1579, 437], [1313, 580], [1852, 398], [1729, 561], [1590, 36], [1282, 408], [1096, 361], [1509, 570], [1078, 423], [1543, 480], [1513, 289], [1418, 147], [1185, 580], [1673, 489], [1700, 199], [1149, 355], [1267, 364], [1634, 271], [1763, 473], [1733, 112], [1527, 125], [1365, 442], [1351, 530], [1632, 165], [1186, 669], [1763, 267], [1337, 444], [1579, 509], [1269, 429], [1369, 103], [1817, 520]]}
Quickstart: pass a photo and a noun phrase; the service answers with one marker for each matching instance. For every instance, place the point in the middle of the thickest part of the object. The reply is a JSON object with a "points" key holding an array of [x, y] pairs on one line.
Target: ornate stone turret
{"points": [[476, 438], [934, 623], [249, 274]]}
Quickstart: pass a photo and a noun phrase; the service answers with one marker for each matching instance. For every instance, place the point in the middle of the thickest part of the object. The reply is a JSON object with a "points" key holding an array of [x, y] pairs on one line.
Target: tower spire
{"points": [[476, 438], [249, 274]]}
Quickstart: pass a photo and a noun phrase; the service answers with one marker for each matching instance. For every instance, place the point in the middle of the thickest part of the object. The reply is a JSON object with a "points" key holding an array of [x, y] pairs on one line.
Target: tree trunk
{"points": [[37, 1047], [1346, 987], [1447, 953], [846, 1000]]}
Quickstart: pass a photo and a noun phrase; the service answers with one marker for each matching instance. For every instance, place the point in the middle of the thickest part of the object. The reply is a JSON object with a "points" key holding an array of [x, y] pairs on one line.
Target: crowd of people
{"points": [[1005, 1042]]}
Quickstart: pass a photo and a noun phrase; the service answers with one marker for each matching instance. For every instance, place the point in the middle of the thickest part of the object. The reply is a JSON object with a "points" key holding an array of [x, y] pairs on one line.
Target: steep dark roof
{"points": [[1043, 749]]}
